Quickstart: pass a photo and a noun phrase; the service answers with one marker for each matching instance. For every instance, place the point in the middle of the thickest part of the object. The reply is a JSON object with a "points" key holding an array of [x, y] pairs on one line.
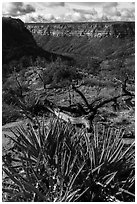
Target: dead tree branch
{"points": [[77, 114], [82, 96]]}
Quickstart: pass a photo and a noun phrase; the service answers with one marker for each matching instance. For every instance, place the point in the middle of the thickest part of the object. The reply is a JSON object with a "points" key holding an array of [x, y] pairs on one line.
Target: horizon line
{"points": [[65, 22]]}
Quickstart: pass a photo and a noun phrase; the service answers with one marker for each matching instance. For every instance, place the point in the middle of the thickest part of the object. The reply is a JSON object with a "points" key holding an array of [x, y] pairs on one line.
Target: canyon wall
{"points": [[91, 30]]}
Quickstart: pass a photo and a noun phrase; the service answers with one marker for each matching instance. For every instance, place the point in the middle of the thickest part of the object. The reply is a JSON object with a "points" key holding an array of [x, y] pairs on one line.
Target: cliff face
{"points": [[87, 43], [80, 40], [91, 30]]}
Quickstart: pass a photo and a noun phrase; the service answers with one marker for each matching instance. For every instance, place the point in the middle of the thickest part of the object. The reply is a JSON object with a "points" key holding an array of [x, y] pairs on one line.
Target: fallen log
{"points": [[73, 120]]}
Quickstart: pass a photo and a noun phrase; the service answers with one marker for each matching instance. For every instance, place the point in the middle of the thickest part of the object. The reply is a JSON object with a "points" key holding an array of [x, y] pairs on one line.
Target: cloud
{"points": [[38, 18], [105, 18], [116, 12], [70, 11], [103, 11], [99, 11], [111, 12], [83, 15], [83, 11], [126, 14], [88, 3], [110, 5], [54, 4], [110, 9], [17, 9], [77, 17], [95, 4]]}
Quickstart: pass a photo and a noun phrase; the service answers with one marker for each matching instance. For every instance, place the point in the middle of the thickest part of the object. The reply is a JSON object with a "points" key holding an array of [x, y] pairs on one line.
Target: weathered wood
{"points": [[71, 119], [82, 95]]}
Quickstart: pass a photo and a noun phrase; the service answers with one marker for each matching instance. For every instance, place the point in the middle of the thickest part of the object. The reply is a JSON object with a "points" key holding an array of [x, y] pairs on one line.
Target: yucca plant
{"points": [[114, 163], [44, 158], [64, 164]]}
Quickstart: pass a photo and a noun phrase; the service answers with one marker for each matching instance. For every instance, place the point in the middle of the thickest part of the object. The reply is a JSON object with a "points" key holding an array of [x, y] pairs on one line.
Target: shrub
{"points": [[93, 66], [57, 72], [15, 86], [61, 163], [24, 62], [40, 62], [10, 113]]}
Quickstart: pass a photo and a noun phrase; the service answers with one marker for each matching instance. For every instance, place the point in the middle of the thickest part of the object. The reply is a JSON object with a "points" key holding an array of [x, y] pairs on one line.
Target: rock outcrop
{"points": [[88, 43], [91, 30]]}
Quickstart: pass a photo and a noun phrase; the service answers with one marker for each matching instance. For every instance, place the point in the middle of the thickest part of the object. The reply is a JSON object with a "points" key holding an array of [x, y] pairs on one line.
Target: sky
{"points": [[44, 12]]}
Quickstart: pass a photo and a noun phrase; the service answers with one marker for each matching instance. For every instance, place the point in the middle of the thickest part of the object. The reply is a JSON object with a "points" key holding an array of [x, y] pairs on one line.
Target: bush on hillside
{"points": [[93, 66], [15, 86], [58, 72], [40, 62], [10, 113], [18, 65], [120, 67]]}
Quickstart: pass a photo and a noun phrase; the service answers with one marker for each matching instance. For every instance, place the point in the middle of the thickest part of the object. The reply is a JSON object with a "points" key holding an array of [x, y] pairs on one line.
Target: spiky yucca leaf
{"points": [[108, 155], [65, 164]]}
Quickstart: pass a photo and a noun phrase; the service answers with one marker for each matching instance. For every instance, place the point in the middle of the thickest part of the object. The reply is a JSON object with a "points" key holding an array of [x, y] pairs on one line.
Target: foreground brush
{"points": [[63, 164]]}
